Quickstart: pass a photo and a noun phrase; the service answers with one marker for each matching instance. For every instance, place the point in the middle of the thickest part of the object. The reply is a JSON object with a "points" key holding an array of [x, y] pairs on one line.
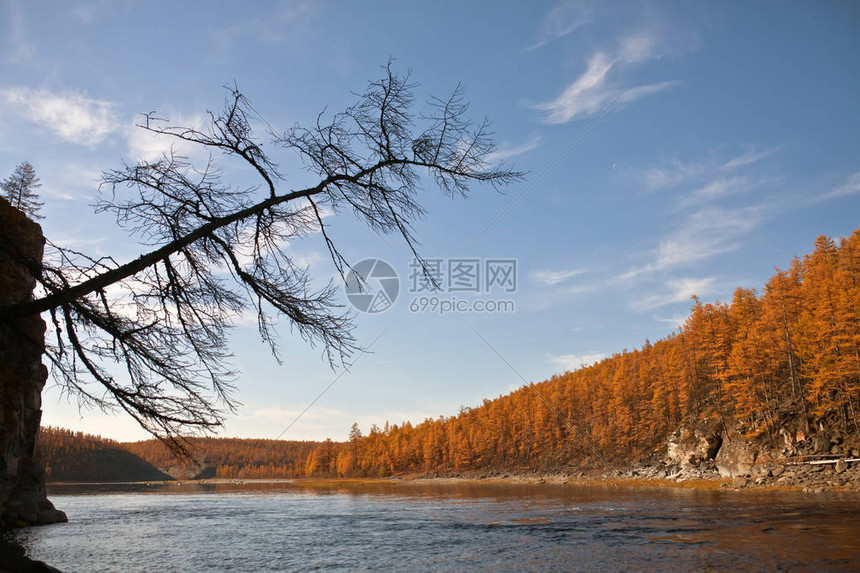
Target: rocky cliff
{"points": [[823, 457], [22, 376]]}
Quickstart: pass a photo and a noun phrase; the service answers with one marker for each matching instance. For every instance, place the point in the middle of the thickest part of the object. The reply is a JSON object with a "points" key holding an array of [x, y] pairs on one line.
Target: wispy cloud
{"points": [[703, 227], [507, 151], [601, 82], [574, 361], [637, 48], [753, 155], [70, 115], [561, 20], [677, 172], [147, 145], [79, 243], [586, 95], [558, 289], [675, 320], [675, 291], [19, 49], [705, 233], [664, 177], [718, 189], [850, 187], [310, 259], [552, 278], [560, 295], [283, 22]]}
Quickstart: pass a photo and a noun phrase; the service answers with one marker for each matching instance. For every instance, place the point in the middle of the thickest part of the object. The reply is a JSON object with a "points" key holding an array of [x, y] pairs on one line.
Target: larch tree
{"points": [[20, 190], [149, 336]]}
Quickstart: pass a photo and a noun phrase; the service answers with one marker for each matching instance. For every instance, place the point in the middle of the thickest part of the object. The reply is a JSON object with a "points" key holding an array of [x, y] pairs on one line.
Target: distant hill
{"points": [[229, 458], [79, 457], [75, 456]]}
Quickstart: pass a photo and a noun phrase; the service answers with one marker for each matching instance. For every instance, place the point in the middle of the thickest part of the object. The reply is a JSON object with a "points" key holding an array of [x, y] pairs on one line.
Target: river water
{"points": [[444, 527]]}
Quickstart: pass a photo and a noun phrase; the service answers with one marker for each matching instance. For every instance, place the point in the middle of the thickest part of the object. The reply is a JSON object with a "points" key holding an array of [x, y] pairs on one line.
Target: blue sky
{"points": [[734, 146]]}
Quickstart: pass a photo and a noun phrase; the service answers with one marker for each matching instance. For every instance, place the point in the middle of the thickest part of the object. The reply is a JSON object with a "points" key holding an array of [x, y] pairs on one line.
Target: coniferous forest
{"points": [[786, 358]]}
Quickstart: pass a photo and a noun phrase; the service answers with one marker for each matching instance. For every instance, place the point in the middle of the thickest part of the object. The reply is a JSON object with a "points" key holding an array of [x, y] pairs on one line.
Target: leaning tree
{"points": [[148, 336]]}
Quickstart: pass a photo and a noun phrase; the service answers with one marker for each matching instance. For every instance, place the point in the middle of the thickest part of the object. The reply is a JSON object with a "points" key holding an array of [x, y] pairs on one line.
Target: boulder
{"points": [[689, 448], [48, 516], [820, 444], [736, 456]]}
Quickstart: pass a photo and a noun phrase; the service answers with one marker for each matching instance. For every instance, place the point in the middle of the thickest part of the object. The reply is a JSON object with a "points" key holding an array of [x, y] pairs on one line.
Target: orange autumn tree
{"points": [[751, 365]]}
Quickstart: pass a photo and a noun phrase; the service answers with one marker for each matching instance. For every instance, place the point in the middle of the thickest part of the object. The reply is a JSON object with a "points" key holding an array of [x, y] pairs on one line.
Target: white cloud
{"points": [[507, 151], [704, 234], [562, 20], [641, 91], [678, 172], [78, 243], [850, 187], [70, 115], [588, 94], [309, 260], [595, 89], [637, 48], [145, 145], [676, 320], [717, 189], [552, 278], [658, 178], [574, 361], [748, 158], [675, 291]]}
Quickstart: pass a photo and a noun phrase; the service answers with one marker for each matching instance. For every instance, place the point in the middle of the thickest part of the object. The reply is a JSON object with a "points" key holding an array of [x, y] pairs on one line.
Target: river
{"points": [[443, 527]]}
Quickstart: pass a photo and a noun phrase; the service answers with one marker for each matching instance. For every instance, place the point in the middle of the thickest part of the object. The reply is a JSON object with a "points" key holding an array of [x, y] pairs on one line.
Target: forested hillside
{"points": [[773, 366], [75, 456], [781, 360], [230, 456]]}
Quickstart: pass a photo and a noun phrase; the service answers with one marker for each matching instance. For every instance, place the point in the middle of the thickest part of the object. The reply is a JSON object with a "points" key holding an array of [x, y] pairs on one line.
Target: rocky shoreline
{"points": [[13, 559], [801, 477], [706, 458], [841, 475]]}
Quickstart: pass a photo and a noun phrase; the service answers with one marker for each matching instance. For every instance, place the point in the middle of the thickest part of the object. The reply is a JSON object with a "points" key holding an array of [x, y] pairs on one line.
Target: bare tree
{"points": [[217, 250], [20, 190]]}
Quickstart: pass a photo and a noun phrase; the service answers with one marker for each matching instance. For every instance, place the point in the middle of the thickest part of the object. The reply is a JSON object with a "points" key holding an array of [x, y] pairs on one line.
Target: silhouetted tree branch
{"points": [[218, 250]]}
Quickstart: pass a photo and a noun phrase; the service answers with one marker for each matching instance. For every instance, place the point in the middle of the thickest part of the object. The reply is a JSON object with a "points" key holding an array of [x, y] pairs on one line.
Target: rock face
{"points": [[736, 456], [22, 376], [688, 448]]}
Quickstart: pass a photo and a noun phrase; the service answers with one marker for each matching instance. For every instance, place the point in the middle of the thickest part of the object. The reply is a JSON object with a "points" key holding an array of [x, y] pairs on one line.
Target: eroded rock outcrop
{"points": [[22, 376], [736, 457], [689, 447]]}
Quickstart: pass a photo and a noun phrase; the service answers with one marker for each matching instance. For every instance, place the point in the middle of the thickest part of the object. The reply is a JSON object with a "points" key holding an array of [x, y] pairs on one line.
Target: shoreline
{"points": [[580, 479]]}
